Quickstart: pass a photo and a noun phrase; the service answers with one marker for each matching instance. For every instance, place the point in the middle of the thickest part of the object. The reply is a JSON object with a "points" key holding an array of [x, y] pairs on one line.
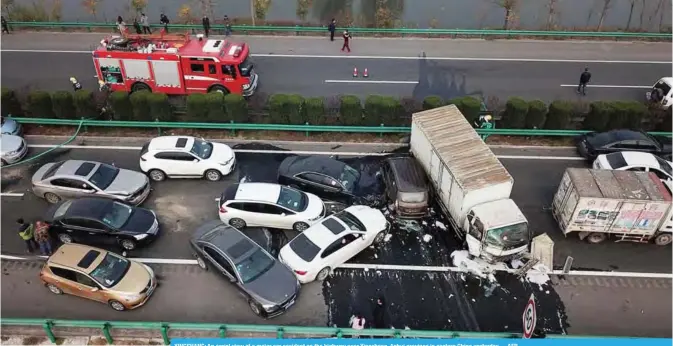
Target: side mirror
{"points": [[232, 279], [282, 214], [95, 289]]}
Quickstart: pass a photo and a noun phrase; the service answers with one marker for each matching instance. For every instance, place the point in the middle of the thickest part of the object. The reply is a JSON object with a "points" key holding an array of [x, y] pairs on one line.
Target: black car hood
{"points": [[275, 286], [140, 222]]}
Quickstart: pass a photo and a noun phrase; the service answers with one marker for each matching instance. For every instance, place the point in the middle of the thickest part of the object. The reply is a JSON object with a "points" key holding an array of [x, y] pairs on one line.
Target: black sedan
{"points": [[592, 144], [102, 221], [270, 287], [330, 179]]}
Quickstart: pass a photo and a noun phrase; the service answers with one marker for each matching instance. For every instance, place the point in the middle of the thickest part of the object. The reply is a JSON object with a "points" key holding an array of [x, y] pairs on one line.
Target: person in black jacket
{"points": [[206, 25], [332, 29], [5, 28], [163, 20], [585, 77], [379, 313]]}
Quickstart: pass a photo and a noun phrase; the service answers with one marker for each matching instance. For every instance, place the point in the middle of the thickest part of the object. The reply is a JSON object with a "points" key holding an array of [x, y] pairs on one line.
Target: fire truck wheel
{"points": [[219, 89], [140, 87]]}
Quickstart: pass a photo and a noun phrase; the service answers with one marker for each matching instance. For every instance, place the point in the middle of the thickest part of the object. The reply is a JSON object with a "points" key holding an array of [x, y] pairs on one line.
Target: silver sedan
{"points": [[74, 178], [14, 149]]}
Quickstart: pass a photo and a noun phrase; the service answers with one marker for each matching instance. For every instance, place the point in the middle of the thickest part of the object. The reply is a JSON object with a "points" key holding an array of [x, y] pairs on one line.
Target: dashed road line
{"points": [[589, 86], [367, 81], [11, 194]]}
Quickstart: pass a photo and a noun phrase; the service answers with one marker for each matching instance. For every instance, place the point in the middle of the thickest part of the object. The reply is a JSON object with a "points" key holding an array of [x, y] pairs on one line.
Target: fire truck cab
{"points": [[175, 64]]}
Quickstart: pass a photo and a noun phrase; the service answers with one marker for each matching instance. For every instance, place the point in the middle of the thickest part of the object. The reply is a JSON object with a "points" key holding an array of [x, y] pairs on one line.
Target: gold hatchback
{"points": [[99, 275]]}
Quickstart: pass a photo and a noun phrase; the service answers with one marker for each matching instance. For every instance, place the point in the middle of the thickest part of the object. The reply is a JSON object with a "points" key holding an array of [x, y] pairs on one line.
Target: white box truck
{"points": [[625, 205], [471, 185]]}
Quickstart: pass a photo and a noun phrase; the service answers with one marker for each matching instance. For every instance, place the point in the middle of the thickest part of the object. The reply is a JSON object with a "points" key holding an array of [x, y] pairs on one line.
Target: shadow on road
{"points": [[444, 81]]}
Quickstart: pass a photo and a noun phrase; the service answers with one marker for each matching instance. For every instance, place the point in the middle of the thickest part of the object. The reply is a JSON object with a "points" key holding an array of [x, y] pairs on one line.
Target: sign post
{"points": [[529, 317]]}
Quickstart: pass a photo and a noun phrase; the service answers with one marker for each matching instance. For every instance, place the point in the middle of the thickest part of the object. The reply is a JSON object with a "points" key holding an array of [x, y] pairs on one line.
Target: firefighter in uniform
{"points": [[75, 84], [484, 122]]}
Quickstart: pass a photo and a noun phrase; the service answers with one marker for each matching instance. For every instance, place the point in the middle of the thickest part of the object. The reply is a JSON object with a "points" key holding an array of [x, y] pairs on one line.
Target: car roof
{"points": [[316, 163], [620, 135], [87, 208], [69, 167], [408, 174], [73, 255], [171, 143], [667, 80], [229, 240], [321, 236], [637, 158], [263, 192]]}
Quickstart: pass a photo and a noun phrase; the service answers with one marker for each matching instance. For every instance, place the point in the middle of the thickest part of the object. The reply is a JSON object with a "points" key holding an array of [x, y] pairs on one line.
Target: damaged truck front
{"points": [[471, 185]]}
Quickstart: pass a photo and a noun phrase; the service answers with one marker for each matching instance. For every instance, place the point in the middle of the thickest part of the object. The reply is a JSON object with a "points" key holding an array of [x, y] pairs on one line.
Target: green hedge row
{"points": [[295, 110]]}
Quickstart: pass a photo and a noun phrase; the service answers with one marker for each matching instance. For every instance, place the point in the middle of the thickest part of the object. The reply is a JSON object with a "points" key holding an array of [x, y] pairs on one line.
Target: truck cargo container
{"points": [[471, 185], [625, 205]]}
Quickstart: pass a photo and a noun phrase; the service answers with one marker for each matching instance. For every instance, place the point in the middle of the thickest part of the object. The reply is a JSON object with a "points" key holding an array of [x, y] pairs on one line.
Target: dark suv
{"points": [[406, 187]]}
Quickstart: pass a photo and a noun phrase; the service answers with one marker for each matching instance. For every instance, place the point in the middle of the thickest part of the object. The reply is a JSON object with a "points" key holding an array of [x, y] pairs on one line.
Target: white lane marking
{"points": [[316, 56], [305, 152], [366, 81], [589, 86], [406, 268], [11, 194]]}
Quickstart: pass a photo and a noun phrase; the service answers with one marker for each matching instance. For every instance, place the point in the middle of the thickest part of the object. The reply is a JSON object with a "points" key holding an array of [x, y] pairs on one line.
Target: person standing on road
{"points": [[332, 29], [357, 322], [227, 26], [42, 237], [121, 26], [206, 24], [379, 313], [163, 20], [5, 28], [347, 38], [145, 22], [26, 232], [585, 77], [136, 26]]}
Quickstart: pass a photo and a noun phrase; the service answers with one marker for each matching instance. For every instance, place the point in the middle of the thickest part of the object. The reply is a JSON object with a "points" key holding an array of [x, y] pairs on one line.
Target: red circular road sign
{"points": [[529, 317]]}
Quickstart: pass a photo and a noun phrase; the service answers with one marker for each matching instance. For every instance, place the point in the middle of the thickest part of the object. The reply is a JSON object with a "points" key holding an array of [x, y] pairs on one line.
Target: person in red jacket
{"points": [[347, 38]]}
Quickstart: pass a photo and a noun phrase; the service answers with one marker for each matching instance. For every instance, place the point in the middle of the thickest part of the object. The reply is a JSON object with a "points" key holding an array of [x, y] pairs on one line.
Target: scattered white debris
{"points": [[516, 264], [476, 266], [387, 237], [538, 275], [449, 320], [327, 283], [378, 272], [243, 180], [473, 300], [366, 269], [376, 256], [427, 238], [450, 295], [546, 292], [440, 225], [424, 223], [406, 328]]}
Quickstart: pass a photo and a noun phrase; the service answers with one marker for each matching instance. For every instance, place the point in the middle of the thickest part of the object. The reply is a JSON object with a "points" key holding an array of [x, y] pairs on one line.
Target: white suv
{"points": [[186, 157], [269, 205]]}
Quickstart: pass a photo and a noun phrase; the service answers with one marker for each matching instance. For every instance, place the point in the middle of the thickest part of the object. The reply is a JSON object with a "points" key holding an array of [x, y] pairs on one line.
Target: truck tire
{"points": [[140, 87], [595, 238], [218, 89], [663, 239]]}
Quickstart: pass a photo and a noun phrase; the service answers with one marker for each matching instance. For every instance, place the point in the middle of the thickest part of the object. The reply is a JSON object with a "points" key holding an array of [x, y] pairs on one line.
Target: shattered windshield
{"points": [[508, 237], [349, 176]]}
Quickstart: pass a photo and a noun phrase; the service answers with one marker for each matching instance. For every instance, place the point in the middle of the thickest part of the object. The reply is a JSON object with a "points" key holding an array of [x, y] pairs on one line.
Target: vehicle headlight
{"points": [[269, 307], [226, 162], [246, 86], [140, 236], [129, 297]]}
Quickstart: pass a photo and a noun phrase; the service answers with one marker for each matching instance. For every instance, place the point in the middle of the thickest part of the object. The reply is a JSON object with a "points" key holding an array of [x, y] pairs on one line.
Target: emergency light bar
{"points": [[236, 50]]}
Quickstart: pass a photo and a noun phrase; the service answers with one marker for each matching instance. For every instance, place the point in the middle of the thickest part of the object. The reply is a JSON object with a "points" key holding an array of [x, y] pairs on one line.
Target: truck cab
{"points": [[497, 231], [661, 93]]}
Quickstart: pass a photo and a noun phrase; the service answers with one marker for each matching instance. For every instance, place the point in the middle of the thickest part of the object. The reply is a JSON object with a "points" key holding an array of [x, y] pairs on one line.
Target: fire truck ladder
{"points": [[159, 37]]}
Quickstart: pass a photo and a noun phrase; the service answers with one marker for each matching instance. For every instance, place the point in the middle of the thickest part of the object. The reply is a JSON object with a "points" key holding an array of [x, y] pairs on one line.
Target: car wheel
{"points": [[117, 305], [127, 244], [237, 223], [201, 262], [53, 289], [595, 238], [380, 237], [157, 175], [256, 309], [65, 238], [52, 198], [663, 239], [323, 274], [300, 226], [213, 175]]}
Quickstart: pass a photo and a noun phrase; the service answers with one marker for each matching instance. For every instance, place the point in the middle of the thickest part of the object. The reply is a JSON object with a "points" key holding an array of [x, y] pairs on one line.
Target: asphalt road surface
{"points": [[182, 205], [418, 300], [313, 67]]}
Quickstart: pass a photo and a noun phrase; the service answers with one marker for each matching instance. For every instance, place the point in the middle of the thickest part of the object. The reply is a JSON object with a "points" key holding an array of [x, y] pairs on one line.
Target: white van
{"points": [[667, 98]]}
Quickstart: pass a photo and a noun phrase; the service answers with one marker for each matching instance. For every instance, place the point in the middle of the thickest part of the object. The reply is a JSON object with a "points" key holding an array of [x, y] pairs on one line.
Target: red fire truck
{"points": [[175, 64]]}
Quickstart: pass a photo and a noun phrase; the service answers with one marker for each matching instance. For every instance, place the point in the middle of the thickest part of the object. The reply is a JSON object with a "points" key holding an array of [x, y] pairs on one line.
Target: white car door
{"points": [[246, 211], [277, 217], [343, 249], [178, 164]]}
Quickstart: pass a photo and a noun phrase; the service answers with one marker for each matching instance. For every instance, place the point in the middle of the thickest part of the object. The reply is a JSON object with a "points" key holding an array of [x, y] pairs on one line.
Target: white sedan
{"points": [[269, 205], [635, 161], [186, 157], [14, 149], [313, 254]]}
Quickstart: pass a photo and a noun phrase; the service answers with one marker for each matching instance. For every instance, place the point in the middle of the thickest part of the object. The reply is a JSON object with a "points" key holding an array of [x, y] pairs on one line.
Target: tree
{"points": [[91, 7], [642, 14], [206, 7], [185, 14], [662, 11], [510, 7], [302, 8], [628, 21], [261, 8], [138, 5], [551, 6], [607, 4], [56, 10]]}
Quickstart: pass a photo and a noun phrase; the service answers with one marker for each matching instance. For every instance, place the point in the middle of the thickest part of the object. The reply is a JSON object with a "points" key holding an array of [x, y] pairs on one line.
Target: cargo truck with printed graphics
{"points": [[471, 185], [627, 206]]}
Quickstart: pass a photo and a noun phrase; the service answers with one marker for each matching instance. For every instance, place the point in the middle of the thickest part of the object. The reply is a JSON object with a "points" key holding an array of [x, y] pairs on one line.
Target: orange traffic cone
{"points": [[365, 73], [355, 71]]}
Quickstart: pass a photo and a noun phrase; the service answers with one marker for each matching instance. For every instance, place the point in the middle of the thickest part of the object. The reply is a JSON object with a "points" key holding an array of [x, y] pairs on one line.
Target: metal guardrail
{"points": [[293, 128], [247, 29], [280, 332]]}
